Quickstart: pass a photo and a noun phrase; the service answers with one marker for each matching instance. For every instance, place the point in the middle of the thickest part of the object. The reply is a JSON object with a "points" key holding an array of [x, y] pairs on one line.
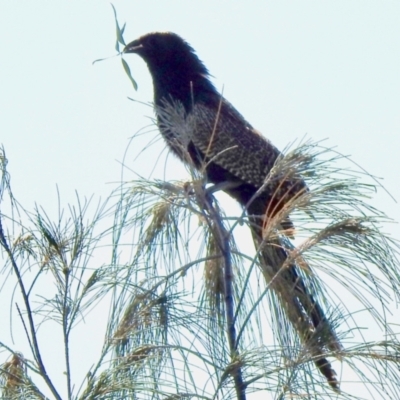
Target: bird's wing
{"points": [[224, 137]]}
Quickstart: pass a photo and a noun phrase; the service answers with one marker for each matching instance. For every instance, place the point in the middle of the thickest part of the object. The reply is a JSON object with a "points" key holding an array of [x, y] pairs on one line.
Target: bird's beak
{"points": [[132, 47]]}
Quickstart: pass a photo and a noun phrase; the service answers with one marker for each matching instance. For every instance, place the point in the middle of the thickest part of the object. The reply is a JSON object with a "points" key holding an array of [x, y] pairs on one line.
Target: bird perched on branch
{"points": [[202, 128]]}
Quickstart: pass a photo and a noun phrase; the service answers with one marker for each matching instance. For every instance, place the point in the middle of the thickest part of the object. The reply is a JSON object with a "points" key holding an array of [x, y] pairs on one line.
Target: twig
{"points": [[66, 331], [223, 241], [36, 352]]}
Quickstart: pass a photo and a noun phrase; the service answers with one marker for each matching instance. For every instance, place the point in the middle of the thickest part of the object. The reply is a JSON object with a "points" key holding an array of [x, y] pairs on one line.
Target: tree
{"points": [[181, 291]]}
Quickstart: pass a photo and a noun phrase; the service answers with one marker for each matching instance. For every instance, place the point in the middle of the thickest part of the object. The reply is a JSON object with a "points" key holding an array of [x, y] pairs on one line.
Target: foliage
{"points": [[188, 311]]}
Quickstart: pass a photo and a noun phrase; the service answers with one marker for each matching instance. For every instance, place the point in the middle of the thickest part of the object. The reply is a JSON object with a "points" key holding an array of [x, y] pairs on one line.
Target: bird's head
{"points": [[175, 68]]}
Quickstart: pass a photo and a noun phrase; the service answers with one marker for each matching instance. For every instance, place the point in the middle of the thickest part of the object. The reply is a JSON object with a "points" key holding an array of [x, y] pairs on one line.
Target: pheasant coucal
{"points": [[202, 128]]}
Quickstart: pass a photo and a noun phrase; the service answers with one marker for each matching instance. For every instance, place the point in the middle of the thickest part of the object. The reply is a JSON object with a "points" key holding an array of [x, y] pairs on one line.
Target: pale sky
{"points": [[325, 69]]}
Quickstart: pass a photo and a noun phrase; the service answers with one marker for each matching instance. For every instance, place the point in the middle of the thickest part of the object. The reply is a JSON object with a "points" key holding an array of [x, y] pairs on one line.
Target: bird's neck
{"points": [[188, 89]]}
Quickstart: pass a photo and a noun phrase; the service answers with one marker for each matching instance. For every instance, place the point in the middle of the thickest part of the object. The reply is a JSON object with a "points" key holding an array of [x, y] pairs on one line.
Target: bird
{"points": [[204, 130]]}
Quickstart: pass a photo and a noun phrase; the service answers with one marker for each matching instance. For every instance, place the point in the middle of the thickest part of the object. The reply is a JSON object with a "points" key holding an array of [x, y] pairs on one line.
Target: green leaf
{"points": [[119, 31], [100, 59], [128, 72], [122, 31]]}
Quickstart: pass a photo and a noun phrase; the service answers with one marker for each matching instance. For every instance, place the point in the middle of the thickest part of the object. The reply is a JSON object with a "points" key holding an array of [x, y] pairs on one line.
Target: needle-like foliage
{"points": [[189, 313]]}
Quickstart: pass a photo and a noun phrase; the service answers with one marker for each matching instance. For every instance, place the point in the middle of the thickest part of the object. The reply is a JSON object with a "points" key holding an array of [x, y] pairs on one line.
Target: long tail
{"points": [[302, 310]]}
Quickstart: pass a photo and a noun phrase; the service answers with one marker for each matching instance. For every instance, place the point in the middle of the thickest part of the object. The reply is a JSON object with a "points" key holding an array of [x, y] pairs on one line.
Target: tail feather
{"points": [[301, 308]]}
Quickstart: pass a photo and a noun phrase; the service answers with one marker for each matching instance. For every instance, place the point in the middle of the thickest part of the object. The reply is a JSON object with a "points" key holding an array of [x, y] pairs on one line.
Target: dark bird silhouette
{"points": [[202, 128]]}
